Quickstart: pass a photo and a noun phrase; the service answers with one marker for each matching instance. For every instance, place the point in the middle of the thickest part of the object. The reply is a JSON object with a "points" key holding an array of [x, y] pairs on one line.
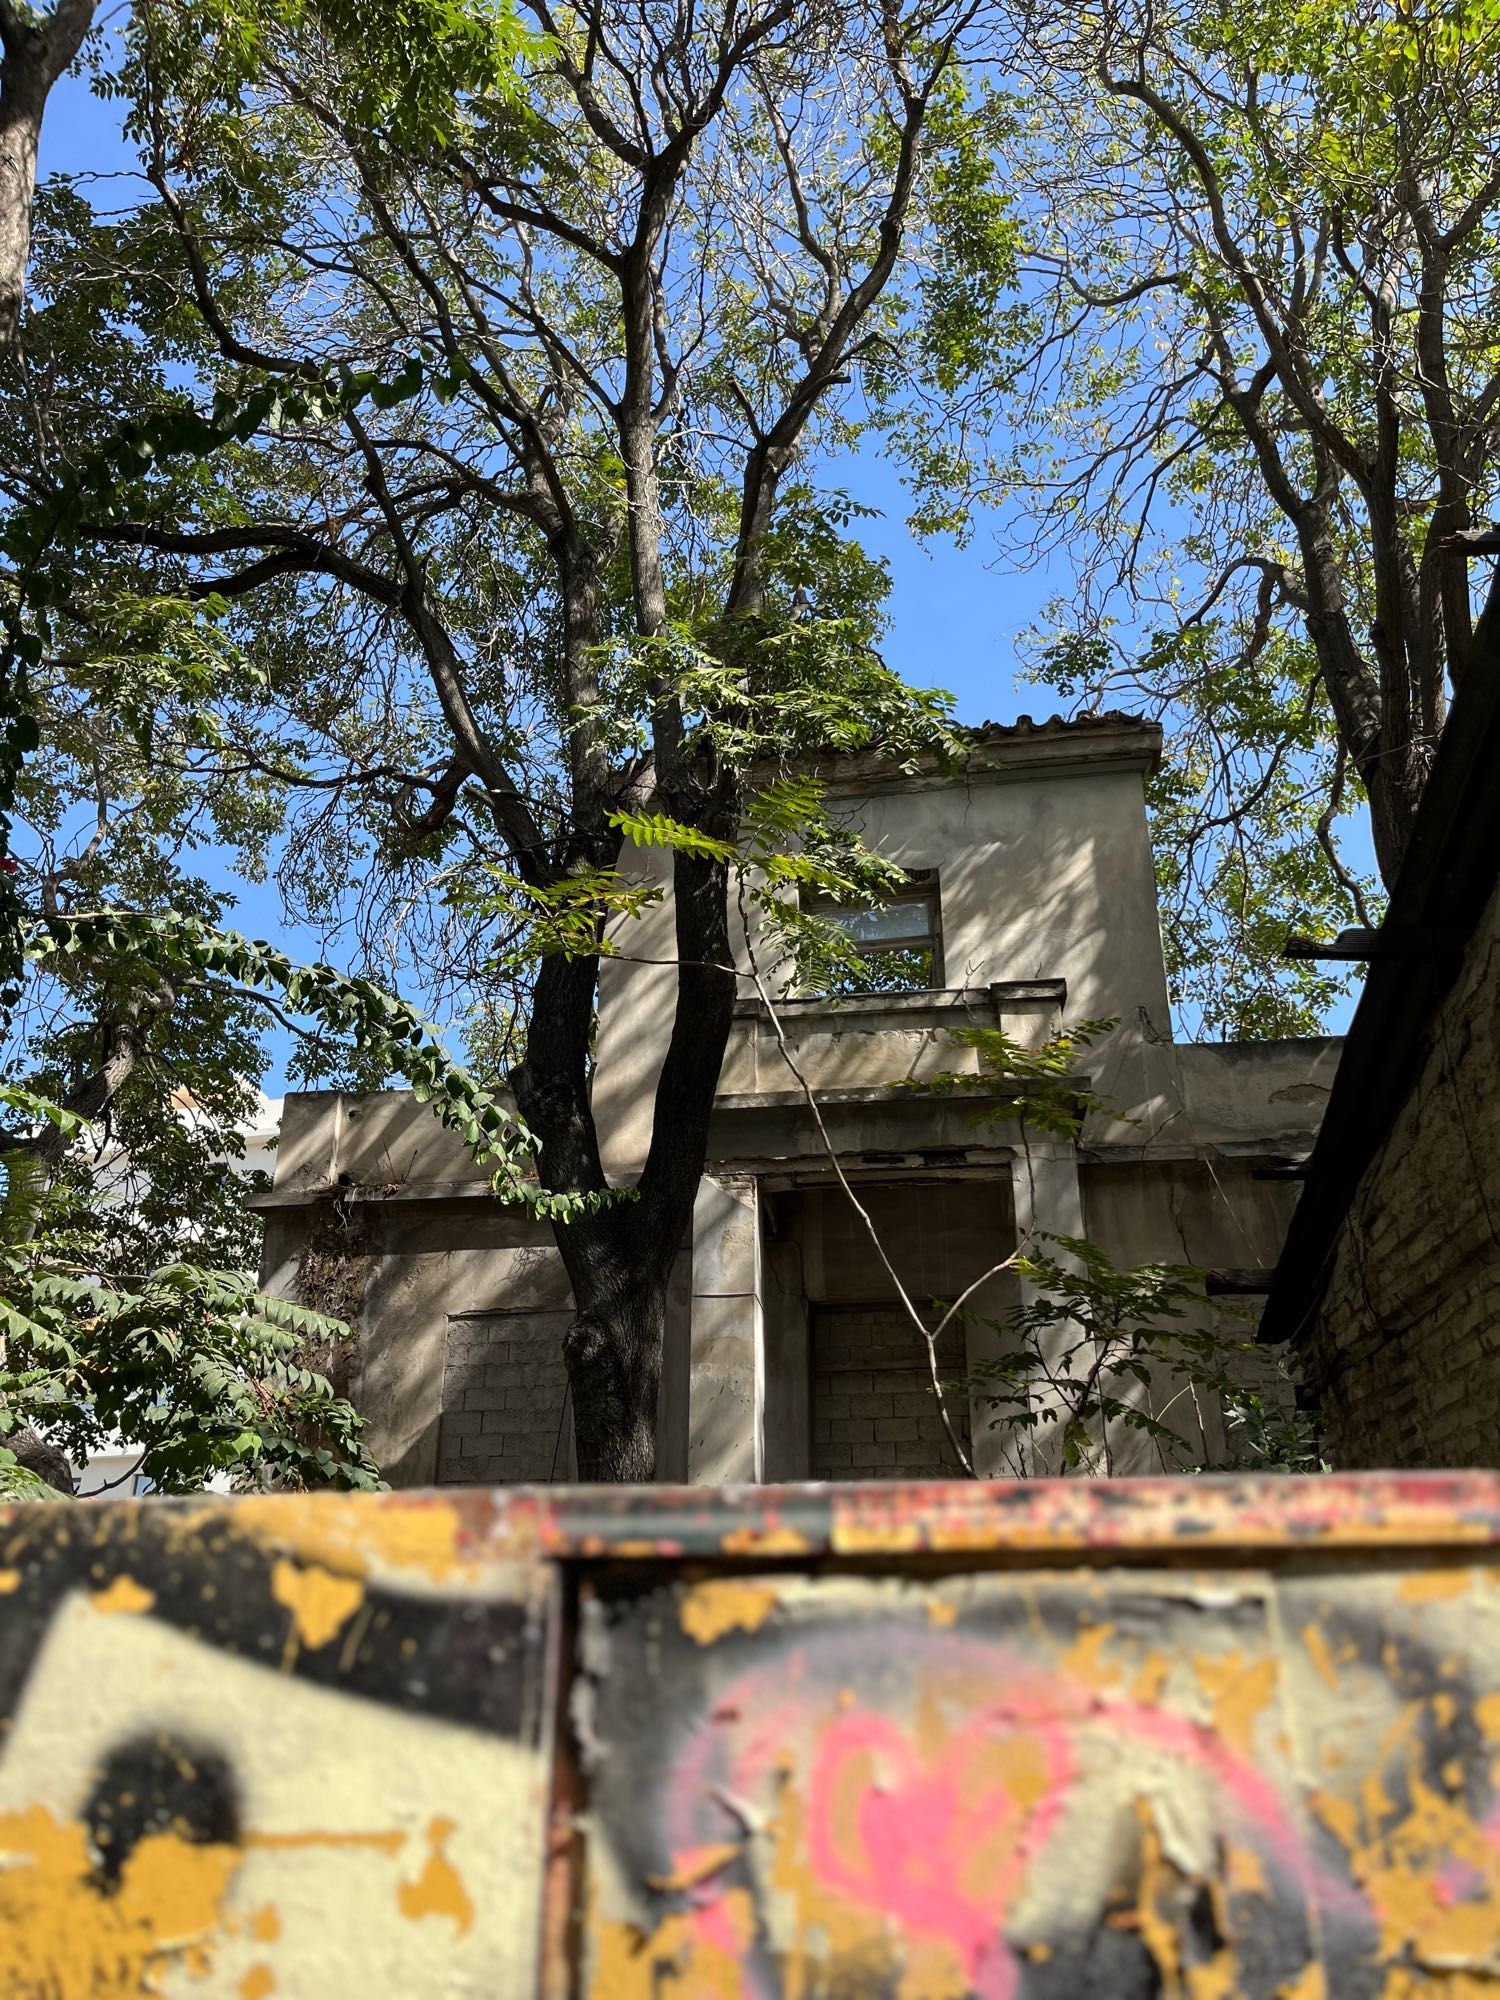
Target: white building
{"points": [[1034, 903]]}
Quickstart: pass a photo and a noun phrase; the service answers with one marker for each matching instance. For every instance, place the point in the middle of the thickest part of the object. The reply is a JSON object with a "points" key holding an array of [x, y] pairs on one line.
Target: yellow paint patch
{"points": [[850, 1536], [61, 1937], [1318, 1652], [941, 1611], [396, 1533], [1487, 1715], [630, 1965], [1240, 1690], [1245, 1873], [754, 1541], [10, 1579], [1081, 1662], [1151, 1679], [1308, 1985], [124, 1595], [933, 1971], [265, 1924], [257, 1982], [724, 1604], [439, 1890], [321, 1603], [1434, 1586]]}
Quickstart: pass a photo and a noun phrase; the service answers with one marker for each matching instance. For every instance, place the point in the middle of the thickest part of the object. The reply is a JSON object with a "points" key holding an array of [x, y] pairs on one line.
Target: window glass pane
{"points": [[909, 920], [906, 970], [894, 924]]}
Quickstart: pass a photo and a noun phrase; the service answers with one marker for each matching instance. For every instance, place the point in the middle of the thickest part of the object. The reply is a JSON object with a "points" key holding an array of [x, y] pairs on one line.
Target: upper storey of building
{"points": [[1032, 899]]}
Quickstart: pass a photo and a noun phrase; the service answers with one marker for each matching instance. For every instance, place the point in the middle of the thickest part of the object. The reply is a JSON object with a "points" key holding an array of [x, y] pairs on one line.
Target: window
{"points": [[899, 942]]}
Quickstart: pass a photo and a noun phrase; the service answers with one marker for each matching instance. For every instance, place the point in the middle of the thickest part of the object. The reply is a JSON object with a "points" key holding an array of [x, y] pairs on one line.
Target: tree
{"points": [[37, 49], [191, 1366], [1254, 382], [136, 1037], [513, 535]]}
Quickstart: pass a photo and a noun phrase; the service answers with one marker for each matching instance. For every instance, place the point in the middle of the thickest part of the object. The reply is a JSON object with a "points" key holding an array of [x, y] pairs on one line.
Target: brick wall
{"points": [[873, 1411], [1406, 1352], [503, 1390]]}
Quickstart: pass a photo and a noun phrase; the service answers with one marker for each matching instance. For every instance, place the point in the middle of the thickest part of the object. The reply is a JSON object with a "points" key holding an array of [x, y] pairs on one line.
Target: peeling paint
{"points": [[438, 1891], [709, 1610], [275, 1774], [1227, 1741], [124, 1595], [321, 1603]]}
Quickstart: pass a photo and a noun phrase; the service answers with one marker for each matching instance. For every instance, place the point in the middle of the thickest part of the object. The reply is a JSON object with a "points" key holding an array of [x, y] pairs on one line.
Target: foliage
{"points": [[1245, 382], [1271, 1433], [1091, 1351], [191, 1366], [141, 946], [1038, 1086], [195, 1369]]}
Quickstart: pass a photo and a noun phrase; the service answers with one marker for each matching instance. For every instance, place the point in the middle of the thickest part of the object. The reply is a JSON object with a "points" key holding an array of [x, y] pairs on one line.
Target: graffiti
{"points": [[245, 1753], [1181, 1742], [1017, 1789]]}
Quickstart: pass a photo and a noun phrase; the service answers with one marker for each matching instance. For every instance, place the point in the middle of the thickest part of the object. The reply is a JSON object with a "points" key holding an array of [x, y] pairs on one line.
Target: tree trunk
{"points": [[613, 1351], [619, 1259], [37, 51]]}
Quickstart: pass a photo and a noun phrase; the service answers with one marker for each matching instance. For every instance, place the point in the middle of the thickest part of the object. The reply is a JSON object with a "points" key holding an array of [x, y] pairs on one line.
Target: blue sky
{"points": [[957, 615], [955, 619]]}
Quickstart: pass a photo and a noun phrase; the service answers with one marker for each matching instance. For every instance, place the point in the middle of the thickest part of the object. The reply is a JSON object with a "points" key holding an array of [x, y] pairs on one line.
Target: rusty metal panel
{"points": [[1208, 1782], [999, 1521], [271, 1747]]}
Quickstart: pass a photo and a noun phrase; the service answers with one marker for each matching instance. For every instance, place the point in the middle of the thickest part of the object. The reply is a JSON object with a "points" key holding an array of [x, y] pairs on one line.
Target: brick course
{"points": [[1404, 1348], [503, 1391], [873, 1413]]}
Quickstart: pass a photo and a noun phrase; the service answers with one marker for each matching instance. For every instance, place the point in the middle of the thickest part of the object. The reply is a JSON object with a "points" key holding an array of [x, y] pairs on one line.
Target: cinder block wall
{"points": [[1406, 1351], [873, 1411], [504, 1389]]}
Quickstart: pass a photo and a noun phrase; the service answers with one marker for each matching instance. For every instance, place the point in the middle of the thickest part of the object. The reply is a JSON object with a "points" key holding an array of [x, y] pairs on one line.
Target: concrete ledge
{"points": [[450, 1190]]}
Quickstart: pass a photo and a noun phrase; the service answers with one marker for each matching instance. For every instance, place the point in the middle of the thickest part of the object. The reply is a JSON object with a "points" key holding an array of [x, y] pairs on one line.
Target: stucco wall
{"points": [[379, 1215], [1045, 872], [1407, 1344]]}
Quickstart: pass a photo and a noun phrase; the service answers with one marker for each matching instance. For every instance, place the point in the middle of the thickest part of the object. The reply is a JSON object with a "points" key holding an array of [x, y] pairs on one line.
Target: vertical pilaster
{"points": [[672, 1410], [1048, 1201], [787, 1421], [726, 1379], [992, 1451]]}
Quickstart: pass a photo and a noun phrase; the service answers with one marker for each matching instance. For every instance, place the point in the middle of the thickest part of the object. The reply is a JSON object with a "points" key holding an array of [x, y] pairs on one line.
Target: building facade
{"points": [[1032, 906], [1389, 1285]]}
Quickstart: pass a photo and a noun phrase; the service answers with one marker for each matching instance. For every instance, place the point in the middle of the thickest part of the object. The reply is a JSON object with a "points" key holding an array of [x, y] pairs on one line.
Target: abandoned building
{"points": [[1389, 1284], [1032, 904]]}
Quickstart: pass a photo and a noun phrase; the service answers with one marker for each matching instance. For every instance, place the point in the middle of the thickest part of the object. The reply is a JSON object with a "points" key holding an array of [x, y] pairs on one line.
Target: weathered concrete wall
{"points": [[381, 1217], [1406, 1348], [1045, 873], [1208, 1212]]}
